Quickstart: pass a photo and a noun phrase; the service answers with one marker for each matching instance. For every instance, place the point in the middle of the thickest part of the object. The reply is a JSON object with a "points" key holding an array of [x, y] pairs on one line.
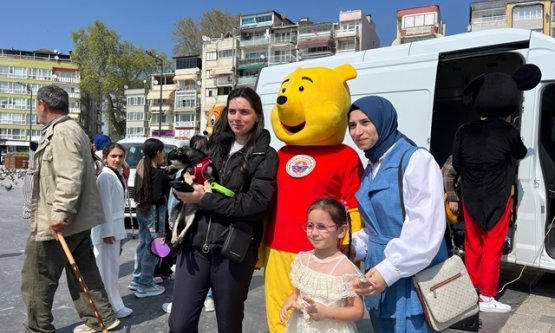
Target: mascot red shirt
{"points": [[310, 117]]}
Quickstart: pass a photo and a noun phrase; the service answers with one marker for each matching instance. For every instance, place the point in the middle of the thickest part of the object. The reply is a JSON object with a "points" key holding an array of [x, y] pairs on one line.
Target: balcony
{"points": [[75, 110], [282, 59], [59, 79], [421, 30], [346, 33], [487, 23], [187, 124], [253, 42], [247, 80], [222, 80]]}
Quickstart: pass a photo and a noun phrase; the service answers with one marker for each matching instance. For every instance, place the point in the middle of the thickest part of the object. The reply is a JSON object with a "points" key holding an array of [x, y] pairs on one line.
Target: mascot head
{"points": [[312, 105], [213, 116], [498, 94]]}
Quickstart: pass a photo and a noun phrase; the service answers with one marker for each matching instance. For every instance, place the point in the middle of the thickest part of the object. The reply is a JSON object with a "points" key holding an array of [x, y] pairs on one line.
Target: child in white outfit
{"points": [[324, 299]]}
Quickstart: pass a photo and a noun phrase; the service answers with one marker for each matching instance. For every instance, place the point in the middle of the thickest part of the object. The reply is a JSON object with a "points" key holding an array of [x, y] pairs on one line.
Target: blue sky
{"points": [[35, 24]]}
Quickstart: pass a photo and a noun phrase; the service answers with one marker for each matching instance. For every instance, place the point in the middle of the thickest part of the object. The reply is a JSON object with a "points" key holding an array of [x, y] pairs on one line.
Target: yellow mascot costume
{"points": [[310, 117]]}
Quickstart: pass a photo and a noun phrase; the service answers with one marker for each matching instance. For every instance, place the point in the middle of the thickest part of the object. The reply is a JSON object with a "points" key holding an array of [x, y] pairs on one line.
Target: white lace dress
{"points": [[328, 282]]}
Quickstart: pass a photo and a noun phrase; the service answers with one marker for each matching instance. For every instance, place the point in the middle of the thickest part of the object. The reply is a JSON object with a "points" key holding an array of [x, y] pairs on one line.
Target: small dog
{"points": [[191, 162]]}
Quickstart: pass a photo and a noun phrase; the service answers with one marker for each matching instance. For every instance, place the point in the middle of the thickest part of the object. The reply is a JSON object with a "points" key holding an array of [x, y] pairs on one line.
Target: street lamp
{"points": [[161, 63], [29, 88]]}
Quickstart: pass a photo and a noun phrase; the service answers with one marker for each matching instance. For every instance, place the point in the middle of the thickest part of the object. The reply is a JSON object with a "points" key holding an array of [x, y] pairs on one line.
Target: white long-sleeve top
{"points": [[112, 196], [424, 225]]}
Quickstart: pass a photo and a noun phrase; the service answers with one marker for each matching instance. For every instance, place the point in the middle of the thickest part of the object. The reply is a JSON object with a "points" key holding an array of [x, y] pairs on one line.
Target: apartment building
{"points": [[522, 14], [186, 109], [255, 36], [137, 116], [22, 73], [218, 76], [160, 101], [355, 31], [418, 23]]}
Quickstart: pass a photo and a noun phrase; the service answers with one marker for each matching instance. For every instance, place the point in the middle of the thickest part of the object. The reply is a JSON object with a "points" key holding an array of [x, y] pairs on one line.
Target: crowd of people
{"points": [[400, 200]]}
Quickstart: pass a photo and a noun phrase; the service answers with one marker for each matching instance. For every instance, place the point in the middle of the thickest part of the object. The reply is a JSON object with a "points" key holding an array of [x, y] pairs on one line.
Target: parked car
{"points": [[133, 154]]}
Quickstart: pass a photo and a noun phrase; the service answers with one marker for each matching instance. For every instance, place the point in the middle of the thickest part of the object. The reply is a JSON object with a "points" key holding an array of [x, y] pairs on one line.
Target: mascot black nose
{"points": [[281, 100]]}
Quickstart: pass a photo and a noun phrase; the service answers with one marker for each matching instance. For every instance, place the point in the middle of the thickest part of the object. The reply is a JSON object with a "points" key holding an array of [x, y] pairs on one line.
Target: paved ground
{"points": [[533, 300]]}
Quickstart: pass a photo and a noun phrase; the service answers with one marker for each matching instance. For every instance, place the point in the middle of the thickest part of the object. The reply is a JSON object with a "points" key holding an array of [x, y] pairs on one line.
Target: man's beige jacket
{"points": [[64, 181]]}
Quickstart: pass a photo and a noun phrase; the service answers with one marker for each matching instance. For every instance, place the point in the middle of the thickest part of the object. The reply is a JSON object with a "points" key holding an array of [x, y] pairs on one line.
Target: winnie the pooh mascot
{"points": [[310, 117]]}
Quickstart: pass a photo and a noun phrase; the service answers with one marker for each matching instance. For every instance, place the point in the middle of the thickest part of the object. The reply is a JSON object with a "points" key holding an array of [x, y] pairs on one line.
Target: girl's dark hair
{"points": [[106, 151], [338, 213], [143, 190], [221, 141]]}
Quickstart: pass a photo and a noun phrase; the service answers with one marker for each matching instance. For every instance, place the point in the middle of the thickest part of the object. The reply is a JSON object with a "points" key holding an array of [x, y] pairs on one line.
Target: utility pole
{"points": [[161, 63]]}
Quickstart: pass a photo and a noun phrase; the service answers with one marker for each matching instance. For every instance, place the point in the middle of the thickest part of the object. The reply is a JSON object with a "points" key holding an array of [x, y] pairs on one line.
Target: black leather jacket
{"points": [[253, 195]]}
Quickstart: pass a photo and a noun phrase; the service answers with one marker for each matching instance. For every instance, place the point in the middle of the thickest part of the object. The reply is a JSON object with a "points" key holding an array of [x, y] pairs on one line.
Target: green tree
{"points": [[107, 65], [188, 33]]}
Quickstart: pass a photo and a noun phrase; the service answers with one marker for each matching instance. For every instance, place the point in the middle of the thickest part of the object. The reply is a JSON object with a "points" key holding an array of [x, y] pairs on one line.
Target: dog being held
{"points": [[194, 167]]}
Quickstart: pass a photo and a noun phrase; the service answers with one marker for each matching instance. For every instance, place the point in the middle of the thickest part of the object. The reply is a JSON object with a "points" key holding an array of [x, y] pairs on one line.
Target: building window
{"points": [[521, 13], [212, 55], [135, 116], [226, 53], [186, 99], [222, 91], [210, 92], [136, 100], [135, 131], [419, 20]]}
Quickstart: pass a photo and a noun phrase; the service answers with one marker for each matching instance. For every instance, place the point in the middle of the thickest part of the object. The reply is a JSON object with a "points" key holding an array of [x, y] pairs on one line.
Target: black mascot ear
{"points": [[527, 77]]}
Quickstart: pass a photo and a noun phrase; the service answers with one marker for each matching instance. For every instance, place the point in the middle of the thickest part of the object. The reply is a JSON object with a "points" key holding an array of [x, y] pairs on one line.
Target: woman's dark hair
{"points": [[221, 141], [338, 213], [143, 195], [106, 151], [199, 142]]}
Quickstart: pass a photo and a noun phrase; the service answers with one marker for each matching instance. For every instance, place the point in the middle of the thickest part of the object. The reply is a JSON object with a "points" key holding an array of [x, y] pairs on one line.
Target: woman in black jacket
{"points": [[247, 165]]}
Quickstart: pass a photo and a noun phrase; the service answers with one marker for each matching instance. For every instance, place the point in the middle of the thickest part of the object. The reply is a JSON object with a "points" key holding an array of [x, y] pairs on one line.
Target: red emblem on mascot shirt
{"points": [[300, 165]]}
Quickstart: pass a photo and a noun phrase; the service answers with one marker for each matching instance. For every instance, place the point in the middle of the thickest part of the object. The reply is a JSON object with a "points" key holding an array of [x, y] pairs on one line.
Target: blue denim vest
{"points": [[380, 207]]}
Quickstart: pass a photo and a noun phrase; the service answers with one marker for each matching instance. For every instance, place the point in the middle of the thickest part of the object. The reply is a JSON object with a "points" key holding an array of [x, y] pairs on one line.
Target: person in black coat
{"points": [[240, 150], [484, 154]]}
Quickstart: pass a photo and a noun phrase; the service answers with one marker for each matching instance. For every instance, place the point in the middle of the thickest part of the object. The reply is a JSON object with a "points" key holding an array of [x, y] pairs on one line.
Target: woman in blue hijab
{"points": [[402, 235]]}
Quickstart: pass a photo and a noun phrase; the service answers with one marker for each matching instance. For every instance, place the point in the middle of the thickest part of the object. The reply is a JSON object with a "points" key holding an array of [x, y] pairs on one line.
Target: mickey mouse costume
{"points": [[484, 154]]}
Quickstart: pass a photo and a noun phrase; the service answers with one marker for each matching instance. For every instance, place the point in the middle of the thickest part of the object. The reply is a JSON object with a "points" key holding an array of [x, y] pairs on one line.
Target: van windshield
{"points": [[134, 152]]}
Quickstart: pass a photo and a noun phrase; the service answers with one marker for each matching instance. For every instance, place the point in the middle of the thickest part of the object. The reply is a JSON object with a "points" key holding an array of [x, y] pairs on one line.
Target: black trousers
{"points": [[195, 274]]}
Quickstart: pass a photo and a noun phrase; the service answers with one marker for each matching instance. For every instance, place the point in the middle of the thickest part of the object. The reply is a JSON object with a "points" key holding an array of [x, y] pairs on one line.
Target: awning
{"points": [[221, 70], [155, 94], [182, 77], [251, 67]]}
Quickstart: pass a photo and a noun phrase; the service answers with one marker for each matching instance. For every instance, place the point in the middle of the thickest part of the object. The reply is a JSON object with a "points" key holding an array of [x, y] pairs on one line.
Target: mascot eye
{"points": [[301, 88], [213, 120], [283, 90]]}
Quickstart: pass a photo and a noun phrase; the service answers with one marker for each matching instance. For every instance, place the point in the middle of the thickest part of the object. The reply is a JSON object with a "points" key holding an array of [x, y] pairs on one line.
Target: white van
{"points": [[133, 154], [425, 80]]}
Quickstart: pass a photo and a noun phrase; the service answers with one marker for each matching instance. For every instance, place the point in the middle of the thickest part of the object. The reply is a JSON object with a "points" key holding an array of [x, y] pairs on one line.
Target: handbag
{"points": [[236, 243], [444, 290], [158, 246], [446, 293]]}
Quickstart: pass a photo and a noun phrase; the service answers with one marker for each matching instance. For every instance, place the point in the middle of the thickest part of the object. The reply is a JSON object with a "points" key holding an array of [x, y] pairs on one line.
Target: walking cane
{"points": [[81, 281]]}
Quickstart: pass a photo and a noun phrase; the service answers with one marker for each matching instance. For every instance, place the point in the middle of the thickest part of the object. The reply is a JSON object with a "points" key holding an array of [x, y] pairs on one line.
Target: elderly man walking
{"points": [[65, 199]]}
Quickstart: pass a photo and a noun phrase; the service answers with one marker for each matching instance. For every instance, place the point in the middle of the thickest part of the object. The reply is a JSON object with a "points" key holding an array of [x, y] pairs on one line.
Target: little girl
{"points": [[324, 299]]}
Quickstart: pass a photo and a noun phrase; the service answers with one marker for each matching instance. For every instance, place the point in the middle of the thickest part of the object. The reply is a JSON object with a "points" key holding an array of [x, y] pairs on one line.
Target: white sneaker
{"points": [[83, 328], [167, 307], [209, 305], [123, 312], [489, 304], [154, 290]]}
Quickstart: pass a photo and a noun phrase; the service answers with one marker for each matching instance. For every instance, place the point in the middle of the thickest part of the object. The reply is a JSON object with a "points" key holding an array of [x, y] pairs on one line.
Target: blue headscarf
{"points": [[101, 141], [384, 117]]}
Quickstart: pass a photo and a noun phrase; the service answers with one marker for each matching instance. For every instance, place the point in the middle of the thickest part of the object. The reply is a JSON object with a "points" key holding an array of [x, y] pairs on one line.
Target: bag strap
{"points": [[400, 172]]}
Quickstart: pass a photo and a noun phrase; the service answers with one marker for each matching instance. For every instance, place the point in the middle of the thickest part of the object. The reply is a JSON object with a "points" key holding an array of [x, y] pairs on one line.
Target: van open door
{"points": [[546, 150]]}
